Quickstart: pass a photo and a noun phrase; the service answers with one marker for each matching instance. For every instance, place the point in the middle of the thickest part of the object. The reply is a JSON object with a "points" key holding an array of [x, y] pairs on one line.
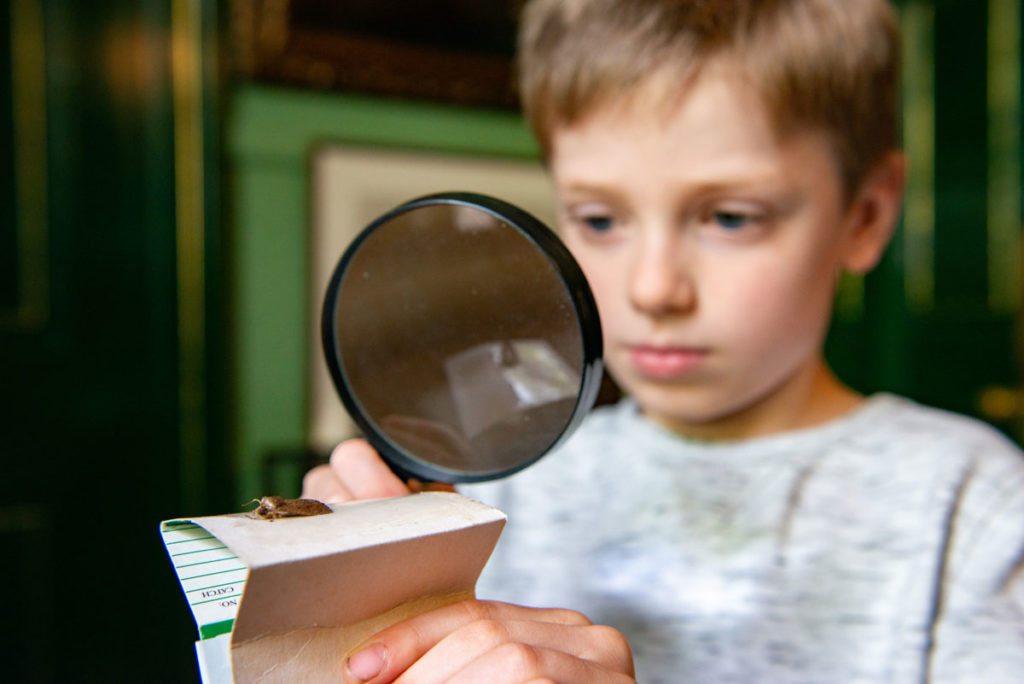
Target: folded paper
{"points": [[286, 600]]}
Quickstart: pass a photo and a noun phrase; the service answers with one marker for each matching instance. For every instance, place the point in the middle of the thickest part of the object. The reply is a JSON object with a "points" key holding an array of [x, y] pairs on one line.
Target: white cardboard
{"points": [[318, 586]]}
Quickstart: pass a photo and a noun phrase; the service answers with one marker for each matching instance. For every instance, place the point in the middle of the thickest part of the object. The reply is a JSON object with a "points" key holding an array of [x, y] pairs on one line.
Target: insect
{"points": [[273, 507]]}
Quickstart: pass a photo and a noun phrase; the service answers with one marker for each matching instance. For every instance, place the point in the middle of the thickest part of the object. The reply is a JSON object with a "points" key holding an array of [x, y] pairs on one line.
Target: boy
{"points": [[741, 516]]}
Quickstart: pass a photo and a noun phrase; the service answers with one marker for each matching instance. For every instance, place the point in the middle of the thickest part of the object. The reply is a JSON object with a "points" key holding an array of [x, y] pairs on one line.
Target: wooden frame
{"points": [[457, 51]]}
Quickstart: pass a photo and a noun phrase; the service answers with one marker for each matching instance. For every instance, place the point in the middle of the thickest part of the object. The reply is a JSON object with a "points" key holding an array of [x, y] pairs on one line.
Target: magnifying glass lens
{"points": [[461, 337]]}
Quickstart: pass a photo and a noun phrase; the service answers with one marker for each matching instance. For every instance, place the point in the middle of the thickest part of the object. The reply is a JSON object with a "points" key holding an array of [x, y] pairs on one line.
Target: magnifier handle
{"points": [[417, 486]]}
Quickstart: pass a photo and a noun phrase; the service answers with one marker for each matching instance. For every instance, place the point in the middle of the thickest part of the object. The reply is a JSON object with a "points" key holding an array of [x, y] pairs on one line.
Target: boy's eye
{"points": [[598, 224], [595, 219], [730, 220]]}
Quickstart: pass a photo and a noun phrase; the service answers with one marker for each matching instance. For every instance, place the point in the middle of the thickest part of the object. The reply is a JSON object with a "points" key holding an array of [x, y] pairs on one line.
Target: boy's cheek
{"points": [[606, 278]]}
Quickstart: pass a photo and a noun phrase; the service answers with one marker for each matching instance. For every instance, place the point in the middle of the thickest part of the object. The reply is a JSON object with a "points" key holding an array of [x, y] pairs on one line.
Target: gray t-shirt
{"points": [[885, 546]]}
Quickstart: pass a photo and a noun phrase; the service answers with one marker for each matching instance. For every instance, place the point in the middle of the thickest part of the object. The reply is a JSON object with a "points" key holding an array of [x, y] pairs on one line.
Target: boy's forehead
{"points": [[709, 99], [659, 97], [717, 108], [621, 154]]}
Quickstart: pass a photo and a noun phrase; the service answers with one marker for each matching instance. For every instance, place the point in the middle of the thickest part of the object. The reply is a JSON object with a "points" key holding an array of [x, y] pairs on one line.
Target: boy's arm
{"points": [[979, 634], [477, 641]]}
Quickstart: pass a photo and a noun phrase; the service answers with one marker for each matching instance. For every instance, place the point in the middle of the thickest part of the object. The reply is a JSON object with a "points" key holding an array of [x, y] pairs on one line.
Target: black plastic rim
{"points": [[408, 465]]}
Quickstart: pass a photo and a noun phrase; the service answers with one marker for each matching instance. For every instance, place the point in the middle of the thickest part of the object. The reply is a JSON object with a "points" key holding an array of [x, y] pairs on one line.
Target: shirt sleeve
{"points": [[978, 631]]}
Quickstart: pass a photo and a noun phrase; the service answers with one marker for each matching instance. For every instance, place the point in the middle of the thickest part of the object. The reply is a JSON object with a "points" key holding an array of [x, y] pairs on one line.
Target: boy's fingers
{"points": [[363, 473], [525, 648], [355, 472], [322, 484], [465, 631], [514, 663]]}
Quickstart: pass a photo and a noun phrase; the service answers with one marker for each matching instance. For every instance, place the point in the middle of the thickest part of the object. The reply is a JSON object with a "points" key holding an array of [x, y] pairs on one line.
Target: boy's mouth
{"points": [[665, 362]]}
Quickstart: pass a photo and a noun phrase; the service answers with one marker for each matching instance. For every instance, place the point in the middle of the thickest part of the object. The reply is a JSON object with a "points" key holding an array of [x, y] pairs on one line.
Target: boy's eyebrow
{"points": [[767, 183], [590, 188]]}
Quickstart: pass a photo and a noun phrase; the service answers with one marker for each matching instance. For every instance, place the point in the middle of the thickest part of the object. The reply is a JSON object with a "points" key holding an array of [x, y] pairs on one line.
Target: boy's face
{"points": [[713, 249]]}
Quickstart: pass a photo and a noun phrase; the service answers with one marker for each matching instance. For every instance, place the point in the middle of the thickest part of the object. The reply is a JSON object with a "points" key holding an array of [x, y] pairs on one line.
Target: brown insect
{"points": [[273, 507]]}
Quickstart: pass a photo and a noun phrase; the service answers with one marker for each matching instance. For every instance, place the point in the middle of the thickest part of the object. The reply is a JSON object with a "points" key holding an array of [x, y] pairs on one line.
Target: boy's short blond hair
{"points": [[826, 65]]}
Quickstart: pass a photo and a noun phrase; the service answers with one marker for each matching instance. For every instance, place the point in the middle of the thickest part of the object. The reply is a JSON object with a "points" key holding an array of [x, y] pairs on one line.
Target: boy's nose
{"points": [[661, 283]]}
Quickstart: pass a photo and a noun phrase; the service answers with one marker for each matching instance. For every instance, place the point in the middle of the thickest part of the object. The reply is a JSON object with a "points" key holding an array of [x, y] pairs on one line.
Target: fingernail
{"points": [[366, 664]]}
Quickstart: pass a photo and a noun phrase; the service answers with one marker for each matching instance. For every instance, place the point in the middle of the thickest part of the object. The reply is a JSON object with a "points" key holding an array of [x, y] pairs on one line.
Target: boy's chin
{"points": [[675, 407], [700, 415]]}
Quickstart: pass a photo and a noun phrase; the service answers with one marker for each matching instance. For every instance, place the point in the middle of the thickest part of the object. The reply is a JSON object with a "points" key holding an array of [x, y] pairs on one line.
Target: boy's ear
{"points": [[872, 216]]}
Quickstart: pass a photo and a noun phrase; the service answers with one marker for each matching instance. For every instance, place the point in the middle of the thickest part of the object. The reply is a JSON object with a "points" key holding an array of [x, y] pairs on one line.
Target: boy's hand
{"points": [[355, 472], [473, 640], [476, 641]]}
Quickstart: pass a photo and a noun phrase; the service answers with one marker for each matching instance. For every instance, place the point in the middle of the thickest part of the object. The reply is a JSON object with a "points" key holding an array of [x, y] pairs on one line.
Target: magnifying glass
{"points": [[462, 338]]}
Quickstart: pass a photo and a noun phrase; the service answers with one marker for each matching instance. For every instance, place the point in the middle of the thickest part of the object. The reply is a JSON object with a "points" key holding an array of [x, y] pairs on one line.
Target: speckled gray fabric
{"points": [[882, 547]]}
